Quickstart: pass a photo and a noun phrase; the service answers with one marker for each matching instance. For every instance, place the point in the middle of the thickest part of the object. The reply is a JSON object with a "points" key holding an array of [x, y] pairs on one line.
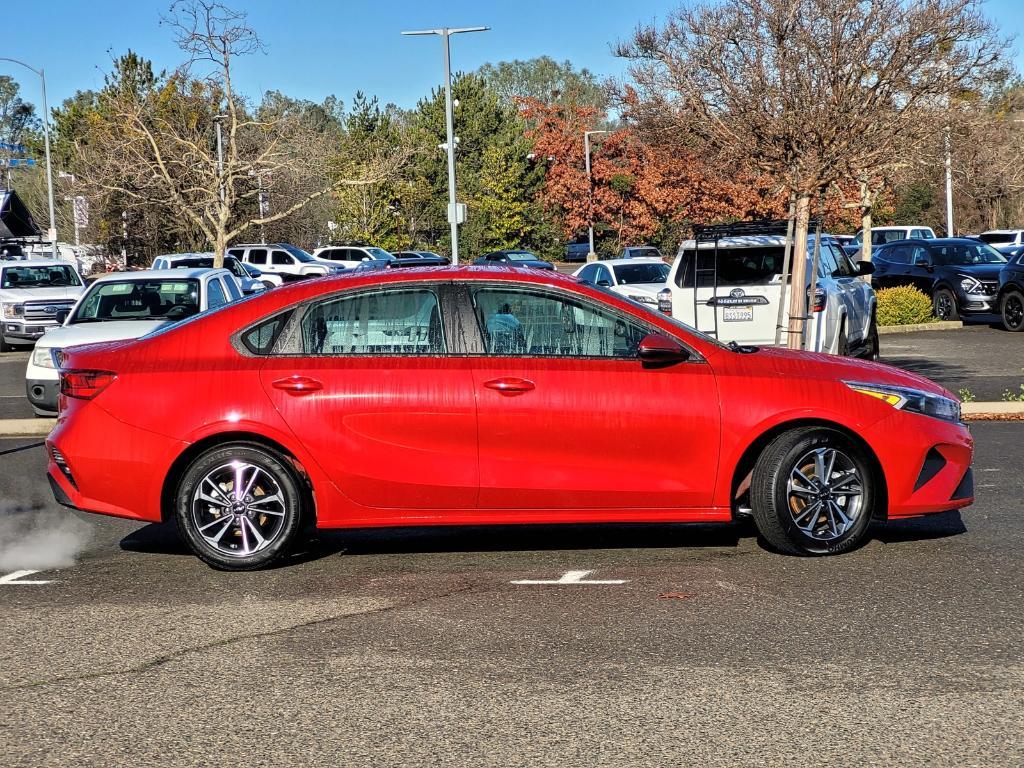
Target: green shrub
{"points": [[903, 305]]}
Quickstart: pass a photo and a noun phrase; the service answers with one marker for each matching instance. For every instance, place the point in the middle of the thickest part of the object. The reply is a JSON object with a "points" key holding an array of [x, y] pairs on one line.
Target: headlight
{"points": [[912, 400], [970, 285], [14, 310], [43, 357], [644, 298]]}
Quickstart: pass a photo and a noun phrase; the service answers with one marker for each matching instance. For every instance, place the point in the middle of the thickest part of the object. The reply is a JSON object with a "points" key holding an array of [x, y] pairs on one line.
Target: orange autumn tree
{"points": [[639, 189]]}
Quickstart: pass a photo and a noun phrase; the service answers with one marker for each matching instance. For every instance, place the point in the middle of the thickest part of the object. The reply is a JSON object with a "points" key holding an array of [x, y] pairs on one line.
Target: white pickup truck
{"points": [[32, 293]]}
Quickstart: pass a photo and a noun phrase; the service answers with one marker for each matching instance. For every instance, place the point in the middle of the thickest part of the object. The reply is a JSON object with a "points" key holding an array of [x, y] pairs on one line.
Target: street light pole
{"points": [[52, 233], [591, 255], [453, 207]]}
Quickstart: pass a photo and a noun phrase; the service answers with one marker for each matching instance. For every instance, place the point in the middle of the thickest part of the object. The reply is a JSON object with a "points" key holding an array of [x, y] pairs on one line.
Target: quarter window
{"points": [[390, 322], [524, 323]]}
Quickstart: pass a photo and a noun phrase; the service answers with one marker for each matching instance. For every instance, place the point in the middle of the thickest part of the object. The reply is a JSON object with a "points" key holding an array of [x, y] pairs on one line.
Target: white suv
{"points": [[122, 306], [286, 261], [739, 286], [1003, 238], [32, 292], [350, 256], [636, 278]]}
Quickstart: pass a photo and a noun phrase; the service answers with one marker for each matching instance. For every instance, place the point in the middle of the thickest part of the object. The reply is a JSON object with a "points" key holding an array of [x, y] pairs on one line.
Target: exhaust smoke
{"points": [[39, 539]]}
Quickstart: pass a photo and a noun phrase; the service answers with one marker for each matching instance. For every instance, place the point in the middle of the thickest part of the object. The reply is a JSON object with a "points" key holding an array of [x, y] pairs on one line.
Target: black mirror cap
{"points": [[61, 315], [658, 349], [865, 268], [604, 284]]}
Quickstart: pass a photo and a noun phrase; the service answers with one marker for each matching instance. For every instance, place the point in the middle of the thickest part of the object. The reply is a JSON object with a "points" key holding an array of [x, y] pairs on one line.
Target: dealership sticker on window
{"points": [[736, 314]]}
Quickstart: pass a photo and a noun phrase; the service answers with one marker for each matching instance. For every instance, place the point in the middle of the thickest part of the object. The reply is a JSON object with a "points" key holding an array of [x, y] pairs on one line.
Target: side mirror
{"points": [[61, 315], [921, 263], [865, 268], [659, 350], [604, 283]]}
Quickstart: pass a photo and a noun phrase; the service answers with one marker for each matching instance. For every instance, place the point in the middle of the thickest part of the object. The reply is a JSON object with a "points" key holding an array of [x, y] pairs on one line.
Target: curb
{"points": [[26, 427], [938, 325], [992, 409]]}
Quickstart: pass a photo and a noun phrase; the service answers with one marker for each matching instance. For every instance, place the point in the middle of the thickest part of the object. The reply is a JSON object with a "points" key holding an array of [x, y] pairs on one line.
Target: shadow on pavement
{"points": [[938, 526], [945, 373]]}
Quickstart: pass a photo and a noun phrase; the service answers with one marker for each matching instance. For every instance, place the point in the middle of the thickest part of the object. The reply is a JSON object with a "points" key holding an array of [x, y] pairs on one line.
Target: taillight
{"points": [[665, 301], [819, 300], [84, 385]]}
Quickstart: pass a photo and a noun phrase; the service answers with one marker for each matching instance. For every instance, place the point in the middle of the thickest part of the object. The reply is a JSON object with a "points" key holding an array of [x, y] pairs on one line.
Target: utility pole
{"points": [[591, 255], [456, 213], [52, 233]]}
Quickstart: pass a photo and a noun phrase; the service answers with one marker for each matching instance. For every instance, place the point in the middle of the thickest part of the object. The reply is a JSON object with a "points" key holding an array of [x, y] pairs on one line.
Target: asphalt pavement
{"points": [[412, 647], [13, 402]]}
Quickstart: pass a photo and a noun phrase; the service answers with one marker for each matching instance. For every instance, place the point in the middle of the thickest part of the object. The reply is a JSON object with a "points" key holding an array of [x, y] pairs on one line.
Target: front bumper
{"points": [[42, 393], [17, 330], [973, 303]]}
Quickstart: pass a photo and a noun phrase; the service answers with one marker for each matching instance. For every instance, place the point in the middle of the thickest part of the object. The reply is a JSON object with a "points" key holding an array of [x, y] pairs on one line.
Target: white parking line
{"points": [[571, 577], [17, 576]]}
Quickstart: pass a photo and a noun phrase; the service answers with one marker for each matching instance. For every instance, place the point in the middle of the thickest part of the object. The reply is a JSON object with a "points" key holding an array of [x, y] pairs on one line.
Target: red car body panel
{"points": [[406, 440]]}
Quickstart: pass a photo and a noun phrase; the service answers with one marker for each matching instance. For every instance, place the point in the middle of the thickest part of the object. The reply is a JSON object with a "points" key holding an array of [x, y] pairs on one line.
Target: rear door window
{"points": [[387, 322], [258, 256], [280, 258], [215, 294]]}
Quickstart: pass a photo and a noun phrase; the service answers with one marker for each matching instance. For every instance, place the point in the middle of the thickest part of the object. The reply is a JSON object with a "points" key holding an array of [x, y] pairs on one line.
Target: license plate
{"points": [[737, 314]]}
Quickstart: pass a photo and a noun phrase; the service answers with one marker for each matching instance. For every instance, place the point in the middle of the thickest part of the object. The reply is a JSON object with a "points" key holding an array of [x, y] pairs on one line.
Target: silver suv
{"points": [[288, 262]]}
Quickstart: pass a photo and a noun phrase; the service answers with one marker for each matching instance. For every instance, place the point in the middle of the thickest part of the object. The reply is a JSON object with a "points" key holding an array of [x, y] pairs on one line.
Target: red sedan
{"points": [[488, 395]]}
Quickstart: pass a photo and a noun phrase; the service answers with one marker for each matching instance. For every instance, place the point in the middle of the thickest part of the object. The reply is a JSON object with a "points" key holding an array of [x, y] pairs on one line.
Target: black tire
{"points": [[4, 346], [1011, 310], [772, 502], [268, 284], [871, 345], [944, 305], [279, 523]]}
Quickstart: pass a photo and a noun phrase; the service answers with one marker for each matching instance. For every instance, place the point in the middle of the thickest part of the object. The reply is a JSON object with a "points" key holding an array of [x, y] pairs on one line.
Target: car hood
{"points": [[93, 333], [38, 294], [977, 271], [803, 365], [532, 264], [648, 288]]}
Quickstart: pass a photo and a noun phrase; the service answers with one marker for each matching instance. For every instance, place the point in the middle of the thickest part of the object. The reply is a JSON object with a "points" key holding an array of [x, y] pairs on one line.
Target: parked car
{"points": [[577, 249], [739, 288], [349, 256], [883, 235], [960, 274], [396, 263], [638, 279], [1010, 297], [1003, 238], [641, 252], [123, 306], [421, 255], [287, 262], [32, 293], [513, 258], [843, 240], [410, 398], [246, 276]]}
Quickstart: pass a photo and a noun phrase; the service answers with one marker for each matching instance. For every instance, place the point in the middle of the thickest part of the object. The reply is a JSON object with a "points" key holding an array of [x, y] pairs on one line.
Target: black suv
{"points": [[1011, 290], [960, 274]]}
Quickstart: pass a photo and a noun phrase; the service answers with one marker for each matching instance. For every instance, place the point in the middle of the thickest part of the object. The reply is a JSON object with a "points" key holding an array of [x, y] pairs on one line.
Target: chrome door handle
{"points": [[297, 385], [510, 385]]}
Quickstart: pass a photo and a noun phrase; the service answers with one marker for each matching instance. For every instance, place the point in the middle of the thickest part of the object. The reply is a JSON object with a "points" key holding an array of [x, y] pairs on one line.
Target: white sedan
{"points": [[122, 306], [638, 279]]}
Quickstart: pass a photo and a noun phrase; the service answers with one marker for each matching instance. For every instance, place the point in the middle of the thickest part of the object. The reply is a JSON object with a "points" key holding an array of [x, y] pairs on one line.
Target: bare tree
{"points": [[157, 143], [810, 91]]}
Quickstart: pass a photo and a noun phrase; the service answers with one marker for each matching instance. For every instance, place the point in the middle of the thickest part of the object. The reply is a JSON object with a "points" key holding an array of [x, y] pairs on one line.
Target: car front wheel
{"points": [[944, 305], [239, 507], [813, 492], [1012, 310]]}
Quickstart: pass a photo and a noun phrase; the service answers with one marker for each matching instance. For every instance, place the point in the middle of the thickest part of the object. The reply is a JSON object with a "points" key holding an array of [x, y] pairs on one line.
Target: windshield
{"points": [[962, 253], [298, 253], [520, 256], [641, 253], [53, 276], [997, 237], [628, 274], [138, 300], [379, 253]]}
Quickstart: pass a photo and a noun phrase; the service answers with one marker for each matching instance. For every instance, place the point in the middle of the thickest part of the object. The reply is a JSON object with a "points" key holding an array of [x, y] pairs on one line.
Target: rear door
{"points": [[367, 382], [569, 418]]}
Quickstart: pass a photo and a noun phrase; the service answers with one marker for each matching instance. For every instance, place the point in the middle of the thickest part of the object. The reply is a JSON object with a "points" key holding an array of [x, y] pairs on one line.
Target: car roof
{"points": [[160, 274], [625, 262], [182, 256], [932, 241], [36, 263], [748, 241], [1001, 231]]}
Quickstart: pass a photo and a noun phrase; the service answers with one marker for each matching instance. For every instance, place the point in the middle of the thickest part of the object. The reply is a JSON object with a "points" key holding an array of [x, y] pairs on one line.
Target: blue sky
{"points": [[318, 48]]}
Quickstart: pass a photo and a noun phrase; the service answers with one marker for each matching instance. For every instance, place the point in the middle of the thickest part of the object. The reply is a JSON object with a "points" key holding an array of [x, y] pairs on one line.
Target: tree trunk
{"points": [[867, 204], [798, 283], [220, 245]]}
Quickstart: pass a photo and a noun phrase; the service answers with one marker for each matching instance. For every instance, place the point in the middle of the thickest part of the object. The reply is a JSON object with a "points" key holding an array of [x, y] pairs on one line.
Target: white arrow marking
{"points": [[571, 577], [17, 576]]}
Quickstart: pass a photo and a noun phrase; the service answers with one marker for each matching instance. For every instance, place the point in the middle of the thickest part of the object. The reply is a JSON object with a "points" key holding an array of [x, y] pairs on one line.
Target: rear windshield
{"points": [[55, 276], [736, 266], [629, 274], [997, 237]]}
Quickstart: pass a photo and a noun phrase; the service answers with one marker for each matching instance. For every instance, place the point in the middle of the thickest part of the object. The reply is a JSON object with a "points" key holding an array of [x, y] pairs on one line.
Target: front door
{"points": [[368, 386], [569, 418]]}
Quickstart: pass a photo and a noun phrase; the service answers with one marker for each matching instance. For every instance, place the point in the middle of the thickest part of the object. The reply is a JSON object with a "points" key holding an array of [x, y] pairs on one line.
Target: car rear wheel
{"points": [[944, 305], [268, 284], [239, 507], [813, 492], [1012, 310]]}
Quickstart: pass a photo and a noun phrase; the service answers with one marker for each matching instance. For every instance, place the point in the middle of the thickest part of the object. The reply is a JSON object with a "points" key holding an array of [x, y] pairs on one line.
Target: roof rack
{"points": [[712, 232]]}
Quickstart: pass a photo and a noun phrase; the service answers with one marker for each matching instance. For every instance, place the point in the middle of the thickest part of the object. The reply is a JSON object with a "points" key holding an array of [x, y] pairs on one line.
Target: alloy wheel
{"points": [[944, 306], [1013, 311], [824, 494], [238, 509]]}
